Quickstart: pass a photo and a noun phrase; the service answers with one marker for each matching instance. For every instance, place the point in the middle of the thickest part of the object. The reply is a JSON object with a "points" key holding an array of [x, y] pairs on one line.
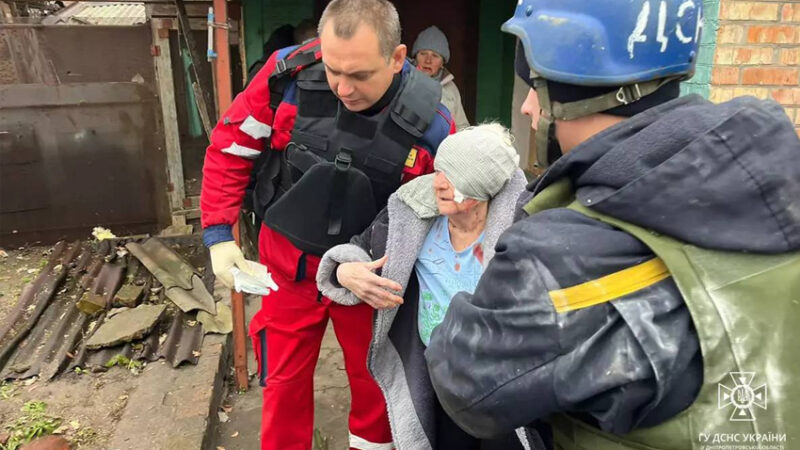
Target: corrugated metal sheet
{"points": [[55, 325], [182, 282], [92, 13], [184, 340], [46, 332], [145, 349], [33, 301]]}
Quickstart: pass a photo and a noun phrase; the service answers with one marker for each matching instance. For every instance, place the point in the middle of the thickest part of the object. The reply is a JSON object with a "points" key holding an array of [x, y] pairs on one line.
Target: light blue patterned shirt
{"points": [[442, 272]]}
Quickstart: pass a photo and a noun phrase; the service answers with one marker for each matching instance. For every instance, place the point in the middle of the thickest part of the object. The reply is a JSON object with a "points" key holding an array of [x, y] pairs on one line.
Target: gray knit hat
{"points": [[477, 160], [432, 38]]}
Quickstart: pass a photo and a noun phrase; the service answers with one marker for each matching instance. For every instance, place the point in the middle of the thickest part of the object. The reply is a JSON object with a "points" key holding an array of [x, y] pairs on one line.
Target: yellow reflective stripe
{"points": [[609, 287]]}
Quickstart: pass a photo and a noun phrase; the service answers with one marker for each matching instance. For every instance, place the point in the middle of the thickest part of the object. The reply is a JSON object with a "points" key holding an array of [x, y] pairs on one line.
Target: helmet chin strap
{"points": [[547, 147], [546, 128]]}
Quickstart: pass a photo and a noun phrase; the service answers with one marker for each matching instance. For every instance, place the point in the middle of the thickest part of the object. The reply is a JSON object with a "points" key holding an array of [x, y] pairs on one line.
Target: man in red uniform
{"points": [[344, 120]]}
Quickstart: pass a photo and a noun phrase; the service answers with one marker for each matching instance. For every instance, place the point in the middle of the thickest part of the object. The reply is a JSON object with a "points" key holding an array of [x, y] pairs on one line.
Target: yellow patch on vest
{"points": [[412, 158], [609, 287]]}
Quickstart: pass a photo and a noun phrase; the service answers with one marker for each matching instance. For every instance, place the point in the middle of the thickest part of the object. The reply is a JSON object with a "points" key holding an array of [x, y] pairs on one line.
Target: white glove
{"points": [[224, 257], [258, 281]]}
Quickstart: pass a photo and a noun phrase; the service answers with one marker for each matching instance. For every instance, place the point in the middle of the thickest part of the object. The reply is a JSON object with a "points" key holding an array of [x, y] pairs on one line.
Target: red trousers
{"points": [[287, 334]]}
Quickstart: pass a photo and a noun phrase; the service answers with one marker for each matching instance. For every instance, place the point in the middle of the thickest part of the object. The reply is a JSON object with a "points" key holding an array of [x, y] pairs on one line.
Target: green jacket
{"points": [[577, 316], [746, 310]]}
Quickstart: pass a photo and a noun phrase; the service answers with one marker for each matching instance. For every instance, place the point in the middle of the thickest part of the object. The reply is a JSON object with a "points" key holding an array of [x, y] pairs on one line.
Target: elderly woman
{"points": [[431, 52], [434, 239]]}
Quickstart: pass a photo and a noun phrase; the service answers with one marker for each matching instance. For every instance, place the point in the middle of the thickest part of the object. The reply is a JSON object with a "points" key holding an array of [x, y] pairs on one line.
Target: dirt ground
{"points": [[87, 405], [17, 268]]}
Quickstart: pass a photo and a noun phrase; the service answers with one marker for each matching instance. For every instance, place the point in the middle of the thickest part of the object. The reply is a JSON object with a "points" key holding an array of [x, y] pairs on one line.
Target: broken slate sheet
{"points": [[182, 283], [126, 326], [222, 323], [128, 296]]}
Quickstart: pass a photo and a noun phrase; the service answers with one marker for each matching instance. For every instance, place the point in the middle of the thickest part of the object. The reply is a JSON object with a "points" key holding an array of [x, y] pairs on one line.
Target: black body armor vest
{"points": [[340, 167]]}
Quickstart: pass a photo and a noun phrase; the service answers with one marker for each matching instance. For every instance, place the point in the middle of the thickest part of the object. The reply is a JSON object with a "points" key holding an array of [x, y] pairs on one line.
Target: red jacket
{"points": [[240, 136]]}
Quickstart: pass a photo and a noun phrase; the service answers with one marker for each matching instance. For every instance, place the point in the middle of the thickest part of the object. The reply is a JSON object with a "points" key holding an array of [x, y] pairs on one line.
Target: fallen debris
{"points": [[198, 298], [222, 323], [183, 342], [182, 282], [128, 296], [63, 307], [103, 288], [126, 326], [176, 230], [101, 233], [115, 311], [91, 303]]}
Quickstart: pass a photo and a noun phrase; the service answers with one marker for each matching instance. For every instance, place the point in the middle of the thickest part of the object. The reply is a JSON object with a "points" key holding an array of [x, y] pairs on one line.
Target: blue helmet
{"points": [[608, 43], [631, 48]]}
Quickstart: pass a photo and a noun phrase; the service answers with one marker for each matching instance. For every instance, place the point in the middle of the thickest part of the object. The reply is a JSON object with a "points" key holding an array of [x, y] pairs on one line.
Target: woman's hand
{"points": [[360, 279]]}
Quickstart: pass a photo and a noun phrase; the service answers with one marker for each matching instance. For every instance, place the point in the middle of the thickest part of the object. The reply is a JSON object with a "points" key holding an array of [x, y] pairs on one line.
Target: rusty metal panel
{"points": [[81, 140], [19, 151], [54, 324], [32, 302], [61, 54], [82, 54], [91, 159], [184, 340], [44, 350]]}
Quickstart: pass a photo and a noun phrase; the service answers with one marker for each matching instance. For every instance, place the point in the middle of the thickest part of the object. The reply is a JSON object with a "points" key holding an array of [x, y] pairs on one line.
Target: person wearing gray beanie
{"points": [[476, 162], [432, 38], [433, 240], [431, 52]]}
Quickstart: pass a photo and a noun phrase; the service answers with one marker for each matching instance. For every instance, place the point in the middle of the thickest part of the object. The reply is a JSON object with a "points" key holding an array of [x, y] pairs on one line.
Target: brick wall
{"points": [[758, 53]]}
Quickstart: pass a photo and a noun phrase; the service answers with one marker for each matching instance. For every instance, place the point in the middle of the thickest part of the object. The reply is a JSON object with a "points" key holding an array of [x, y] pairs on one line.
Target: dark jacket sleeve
{"points": [[373, 239], [503, 357]]}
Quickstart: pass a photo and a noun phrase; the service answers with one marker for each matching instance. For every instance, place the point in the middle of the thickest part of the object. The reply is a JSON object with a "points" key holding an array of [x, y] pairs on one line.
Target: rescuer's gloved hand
{"points": [[225, 256]]}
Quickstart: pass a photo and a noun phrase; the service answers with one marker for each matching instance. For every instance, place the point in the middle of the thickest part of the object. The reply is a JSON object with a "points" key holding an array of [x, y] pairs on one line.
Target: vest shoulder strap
{"points": [[288, 67], [417, 103]]}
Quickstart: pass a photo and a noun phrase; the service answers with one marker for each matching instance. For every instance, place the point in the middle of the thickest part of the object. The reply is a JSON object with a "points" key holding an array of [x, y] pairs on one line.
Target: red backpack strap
{"points": [[288, 67]]}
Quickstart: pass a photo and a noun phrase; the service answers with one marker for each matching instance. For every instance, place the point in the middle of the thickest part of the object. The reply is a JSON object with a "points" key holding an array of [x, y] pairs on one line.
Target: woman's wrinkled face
{"points": [[429, 62], [445, 193]]}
